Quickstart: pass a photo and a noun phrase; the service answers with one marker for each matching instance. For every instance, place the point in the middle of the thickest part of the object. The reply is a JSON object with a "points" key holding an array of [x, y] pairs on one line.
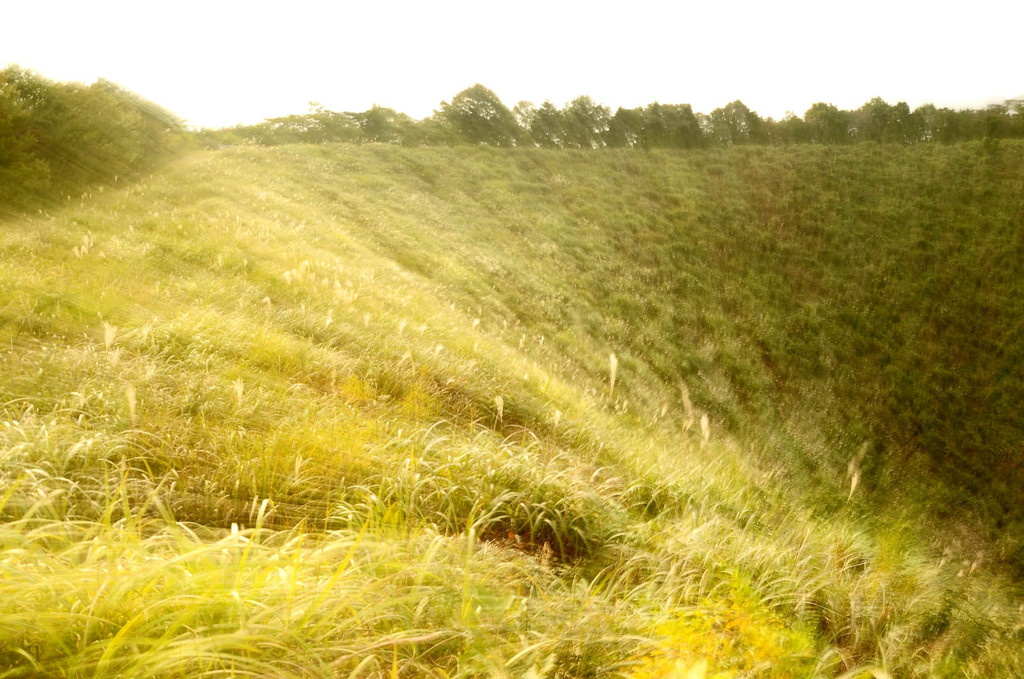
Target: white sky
{"points": [[217, 63]]}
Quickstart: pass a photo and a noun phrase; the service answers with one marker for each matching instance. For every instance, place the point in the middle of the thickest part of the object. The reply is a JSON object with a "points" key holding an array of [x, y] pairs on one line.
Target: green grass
{"points": [[349, 411]]}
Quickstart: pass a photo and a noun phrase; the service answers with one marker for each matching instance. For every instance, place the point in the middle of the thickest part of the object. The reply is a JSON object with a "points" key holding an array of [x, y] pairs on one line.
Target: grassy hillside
{"points": [[375, 411]]}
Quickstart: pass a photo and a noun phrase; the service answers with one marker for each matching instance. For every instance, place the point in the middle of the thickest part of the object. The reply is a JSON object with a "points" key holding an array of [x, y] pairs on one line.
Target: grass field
{"points": [[321, 411]]}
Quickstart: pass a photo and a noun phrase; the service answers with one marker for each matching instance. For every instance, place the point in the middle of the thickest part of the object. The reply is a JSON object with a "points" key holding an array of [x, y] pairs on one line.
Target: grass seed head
{"points": [[613, 369], [129, 394], [109, 335]]}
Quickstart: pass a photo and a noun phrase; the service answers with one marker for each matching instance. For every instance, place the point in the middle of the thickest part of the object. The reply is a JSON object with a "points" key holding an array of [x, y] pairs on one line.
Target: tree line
{"points": [[56, 138], [59, 138], [477, 116]]}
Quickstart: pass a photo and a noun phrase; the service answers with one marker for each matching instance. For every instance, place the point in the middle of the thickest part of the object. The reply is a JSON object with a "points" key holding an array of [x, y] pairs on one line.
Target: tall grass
{"points": [[295, 412]]}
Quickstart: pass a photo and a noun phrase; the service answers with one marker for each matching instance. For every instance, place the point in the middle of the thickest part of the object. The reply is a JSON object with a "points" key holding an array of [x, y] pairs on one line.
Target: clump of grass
{"points": [[731, 635], [139, 599]]}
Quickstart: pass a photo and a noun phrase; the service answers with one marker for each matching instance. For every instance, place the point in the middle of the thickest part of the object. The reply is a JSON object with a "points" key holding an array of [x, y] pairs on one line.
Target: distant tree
{"points": [[736, 124], [880, 122], [547, 126], [1000, 121], [585, 123], [656, 131], [331, 126], [906, 127], [477, 115], [826, 124], [969, 124], [670, 126], [523, 113], [435, 131], [319, 126], [293, 129], [790, 130], [625, 128], [380, 124], [873, 120], [944, 124], [1015, 111], [929, 121]]}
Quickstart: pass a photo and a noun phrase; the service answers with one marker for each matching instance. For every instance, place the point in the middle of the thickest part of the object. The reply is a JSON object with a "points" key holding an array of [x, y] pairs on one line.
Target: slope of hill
{"points": [[368, 411]]}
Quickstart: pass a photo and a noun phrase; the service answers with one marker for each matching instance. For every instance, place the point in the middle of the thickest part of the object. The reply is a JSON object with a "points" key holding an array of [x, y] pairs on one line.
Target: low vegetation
{"points": [[366, 410]]}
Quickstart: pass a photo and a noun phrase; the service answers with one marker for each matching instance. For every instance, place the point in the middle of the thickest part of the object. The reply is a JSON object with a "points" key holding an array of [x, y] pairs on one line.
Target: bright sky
{"points": [[218, 63]]}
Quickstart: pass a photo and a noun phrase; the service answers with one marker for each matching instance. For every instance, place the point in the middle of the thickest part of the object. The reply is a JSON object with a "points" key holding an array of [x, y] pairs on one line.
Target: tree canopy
{"points": [[477, 115], [58, 137]]}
